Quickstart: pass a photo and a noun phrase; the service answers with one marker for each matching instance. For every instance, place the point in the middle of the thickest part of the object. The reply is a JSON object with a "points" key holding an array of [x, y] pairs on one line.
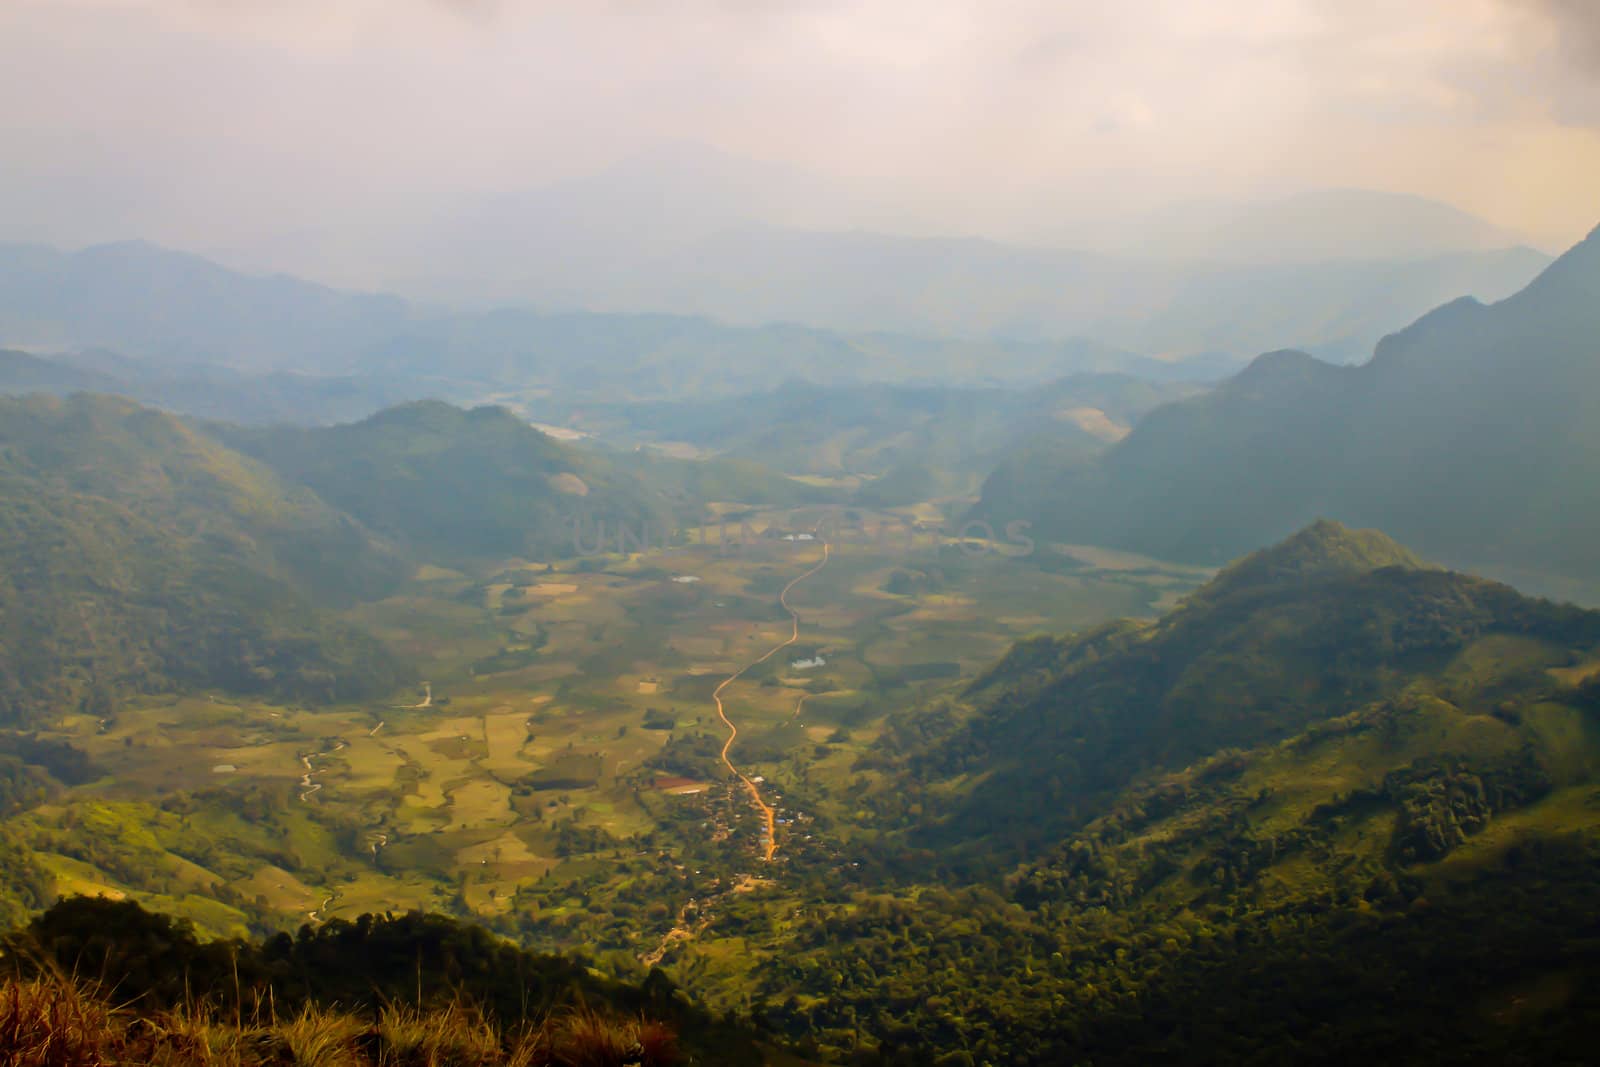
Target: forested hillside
{"points": [[140, 554], [457, 485], [1324, 624], [1337, 803], [144, 553], [1471, 435]]}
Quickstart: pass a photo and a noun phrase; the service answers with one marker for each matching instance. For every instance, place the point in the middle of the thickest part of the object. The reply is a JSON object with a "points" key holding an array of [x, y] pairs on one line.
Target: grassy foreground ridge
{"points": [[93, 982]]}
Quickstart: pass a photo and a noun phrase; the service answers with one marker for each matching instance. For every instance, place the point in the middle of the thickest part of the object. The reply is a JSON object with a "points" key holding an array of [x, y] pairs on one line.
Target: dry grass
{"points": [[46, 1023], [55, 1022], [585, 1038]]}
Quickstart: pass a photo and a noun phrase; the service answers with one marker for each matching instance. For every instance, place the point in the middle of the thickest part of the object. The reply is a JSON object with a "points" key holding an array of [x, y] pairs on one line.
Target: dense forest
{"points": [[138, 555], [1325, 623]]}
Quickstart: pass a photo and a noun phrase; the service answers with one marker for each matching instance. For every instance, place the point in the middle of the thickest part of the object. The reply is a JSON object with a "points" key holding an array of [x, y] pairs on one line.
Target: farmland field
{"points": [[558, 773]]}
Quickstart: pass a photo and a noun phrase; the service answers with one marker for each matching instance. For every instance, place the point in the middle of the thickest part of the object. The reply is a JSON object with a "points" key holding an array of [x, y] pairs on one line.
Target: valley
{"points": [[714, 698], [799, 535]]}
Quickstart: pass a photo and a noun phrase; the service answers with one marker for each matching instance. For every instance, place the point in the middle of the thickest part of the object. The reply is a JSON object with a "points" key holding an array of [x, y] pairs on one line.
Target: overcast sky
{"points": [[204, 123]]}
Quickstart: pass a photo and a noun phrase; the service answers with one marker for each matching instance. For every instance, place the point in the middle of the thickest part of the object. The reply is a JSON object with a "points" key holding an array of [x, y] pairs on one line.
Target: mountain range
{"points": [[176, 328], [143, 552], [739, 302], [1338, 800], [1470, 434]]}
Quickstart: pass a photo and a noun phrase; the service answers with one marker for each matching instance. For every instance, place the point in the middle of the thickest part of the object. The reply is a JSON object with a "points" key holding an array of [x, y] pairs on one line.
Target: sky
{"points": [[219, 123]]}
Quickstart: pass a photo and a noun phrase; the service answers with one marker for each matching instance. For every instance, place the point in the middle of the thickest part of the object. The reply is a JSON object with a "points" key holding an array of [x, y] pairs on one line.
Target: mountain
{"points": [[202, 339], [145, 553], [454, 485], [1326, 623], [1337, 802], [588, 228], [592, 356], [214, 392], [1470, 434], [830, 308], [580, 240], [149, 301], [688, 228], [140, 555], [1323, 549], [743, 309], [565, 362], [22, 373], [856, 282]]}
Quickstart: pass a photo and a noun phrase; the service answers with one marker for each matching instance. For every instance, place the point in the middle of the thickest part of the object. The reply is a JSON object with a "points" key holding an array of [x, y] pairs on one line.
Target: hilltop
{"points": [[454, 484], [1321, 625]]}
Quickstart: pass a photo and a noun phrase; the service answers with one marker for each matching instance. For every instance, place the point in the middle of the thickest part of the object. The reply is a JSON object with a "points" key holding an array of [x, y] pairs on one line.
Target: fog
{"points": [[330, 138]]}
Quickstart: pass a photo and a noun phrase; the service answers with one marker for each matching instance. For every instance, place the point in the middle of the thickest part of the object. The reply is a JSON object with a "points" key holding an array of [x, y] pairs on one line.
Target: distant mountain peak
{"points": [[1287, 369], [1278, 362], [1324, 548], [433, 415], [1576, 272]]}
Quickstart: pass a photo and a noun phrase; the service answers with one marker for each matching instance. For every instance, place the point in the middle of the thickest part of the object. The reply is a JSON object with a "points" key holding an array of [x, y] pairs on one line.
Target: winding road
{"points": [[427, 701], [307, 786], [770, 842]]}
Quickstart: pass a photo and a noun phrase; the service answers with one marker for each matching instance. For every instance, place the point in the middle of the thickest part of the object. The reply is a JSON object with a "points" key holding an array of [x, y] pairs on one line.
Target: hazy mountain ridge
{"points": [[216, 392], [955, 435], [1468, 434], [174, 306], [690, 228], [983, 312], [864, 281], [21, 373], [258, 349]]}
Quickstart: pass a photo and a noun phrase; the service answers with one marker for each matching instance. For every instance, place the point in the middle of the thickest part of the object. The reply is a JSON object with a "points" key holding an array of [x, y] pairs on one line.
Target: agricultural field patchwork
{"points": [[564, 755]]}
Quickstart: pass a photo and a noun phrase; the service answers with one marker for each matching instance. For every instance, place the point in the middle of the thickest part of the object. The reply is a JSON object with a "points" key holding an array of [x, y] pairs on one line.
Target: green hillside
{"points": [[139, 554], [456, 485], [1336, 805], [1326, 623]]}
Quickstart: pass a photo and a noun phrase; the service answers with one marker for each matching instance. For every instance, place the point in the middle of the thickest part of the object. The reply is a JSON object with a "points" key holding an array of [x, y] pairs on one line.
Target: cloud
{"points": [[1576, 24], [211, 122]]}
